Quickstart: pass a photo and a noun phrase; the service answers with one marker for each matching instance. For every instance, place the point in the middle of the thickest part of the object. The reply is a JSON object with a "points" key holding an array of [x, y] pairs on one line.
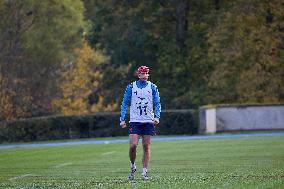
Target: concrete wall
{"points": [[222, 118]]}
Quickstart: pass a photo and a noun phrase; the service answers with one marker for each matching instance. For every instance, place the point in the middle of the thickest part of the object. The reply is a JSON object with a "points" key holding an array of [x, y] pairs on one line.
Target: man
{"points": [[145, 111]]}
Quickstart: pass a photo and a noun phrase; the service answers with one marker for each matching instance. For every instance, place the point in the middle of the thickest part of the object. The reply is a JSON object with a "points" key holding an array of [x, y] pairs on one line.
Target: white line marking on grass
{"points": [[20, 177], [108, 153], [62, 165]]}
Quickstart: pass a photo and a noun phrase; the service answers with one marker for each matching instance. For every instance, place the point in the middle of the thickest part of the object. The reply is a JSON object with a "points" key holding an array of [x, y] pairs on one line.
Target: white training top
{"points": [[141, 108]]}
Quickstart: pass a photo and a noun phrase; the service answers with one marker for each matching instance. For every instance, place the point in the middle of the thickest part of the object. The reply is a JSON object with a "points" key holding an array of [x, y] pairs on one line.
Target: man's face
{"points": [[143, 76]]}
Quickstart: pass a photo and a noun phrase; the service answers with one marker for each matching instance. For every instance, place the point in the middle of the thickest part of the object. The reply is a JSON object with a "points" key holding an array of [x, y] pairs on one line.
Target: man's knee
{"points": [[146, 142], [146, 147], [133, 146]]}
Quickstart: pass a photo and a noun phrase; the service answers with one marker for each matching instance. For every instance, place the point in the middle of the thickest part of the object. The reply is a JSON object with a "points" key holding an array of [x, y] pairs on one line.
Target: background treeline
{"points": [[76, 57]]}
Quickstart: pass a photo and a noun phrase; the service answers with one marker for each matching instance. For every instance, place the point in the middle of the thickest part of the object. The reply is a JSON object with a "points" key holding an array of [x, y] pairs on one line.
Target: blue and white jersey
{"points": [[141, 108], [127, 98]]}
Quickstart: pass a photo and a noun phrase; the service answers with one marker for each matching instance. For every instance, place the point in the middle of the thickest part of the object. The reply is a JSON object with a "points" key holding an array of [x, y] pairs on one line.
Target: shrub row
{"points": [[172, 122]]}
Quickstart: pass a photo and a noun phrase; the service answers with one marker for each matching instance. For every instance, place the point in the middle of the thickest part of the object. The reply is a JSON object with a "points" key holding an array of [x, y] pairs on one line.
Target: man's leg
{"points": [[146, 142], [133, 142]]}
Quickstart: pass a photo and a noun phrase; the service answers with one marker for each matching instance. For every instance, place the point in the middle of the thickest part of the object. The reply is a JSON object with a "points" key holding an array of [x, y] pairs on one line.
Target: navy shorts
{"points": [[142, 128]]}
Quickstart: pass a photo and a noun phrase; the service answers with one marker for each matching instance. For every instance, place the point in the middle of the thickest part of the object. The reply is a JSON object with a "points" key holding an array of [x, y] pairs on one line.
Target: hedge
{"points": [[172, 122]]}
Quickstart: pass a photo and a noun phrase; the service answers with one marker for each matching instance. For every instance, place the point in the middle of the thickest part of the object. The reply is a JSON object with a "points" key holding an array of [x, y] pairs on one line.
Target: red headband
{"points": [[143, 69]]}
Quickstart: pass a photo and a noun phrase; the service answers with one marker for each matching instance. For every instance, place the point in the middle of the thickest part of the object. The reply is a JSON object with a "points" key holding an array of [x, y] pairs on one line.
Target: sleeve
{"points": [[156, 101], [125, 102]]}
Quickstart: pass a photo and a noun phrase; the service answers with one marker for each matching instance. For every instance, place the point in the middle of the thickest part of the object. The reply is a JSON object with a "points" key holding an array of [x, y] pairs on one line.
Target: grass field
{"points": [[249, 162]]}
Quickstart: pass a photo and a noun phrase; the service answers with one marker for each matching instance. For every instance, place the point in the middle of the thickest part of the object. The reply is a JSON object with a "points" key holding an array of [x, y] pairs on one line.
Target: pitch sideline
{"points": [[156, 138]]}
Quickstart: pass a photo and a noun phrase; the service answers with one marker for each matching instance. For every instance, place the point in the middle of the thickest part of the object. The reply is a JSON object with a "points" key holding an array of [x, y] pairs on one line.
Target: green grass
{"points": [[254, 162]]}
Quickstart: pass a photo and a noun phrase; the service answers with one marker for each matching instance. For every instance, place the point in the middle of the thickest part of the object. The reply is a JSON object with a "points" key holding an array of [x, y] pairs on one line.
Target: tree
{"points": [[187, 71], [136, 33], [182, 10], [79, 81], [247, 53], [37, 37]]}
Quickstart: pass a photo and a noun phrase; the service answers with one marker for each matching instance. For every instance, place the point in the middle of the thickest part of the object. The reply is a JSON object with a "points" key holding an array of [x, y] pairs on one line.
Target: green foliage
{"points": [[37, 38], [145, 33], [91, 125], [177, 122], [61, 127], [231, 51], [246, 49], [133, 33], [187, 72], [199, 52]]}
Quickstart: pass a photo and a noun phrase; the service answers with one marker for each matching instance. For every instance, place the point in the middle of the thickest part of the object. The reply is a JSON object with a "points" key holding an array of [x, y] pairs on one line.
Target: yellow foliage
{"points": [[98, 107], [13, 105], [79, 81]]}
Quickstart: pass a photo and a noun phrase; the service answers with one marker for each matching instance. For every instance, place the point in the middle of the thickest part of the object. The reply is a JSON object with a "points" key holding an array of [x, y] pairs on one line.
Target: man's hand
{"points": [[156, 121], [122, 124]]}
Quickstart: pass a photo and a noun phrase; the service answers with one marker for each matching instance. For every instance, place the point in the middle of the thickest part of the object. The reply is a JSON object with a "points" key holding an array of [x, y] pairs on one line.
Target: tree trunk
{"points": [[182, 9], [217, 4]]}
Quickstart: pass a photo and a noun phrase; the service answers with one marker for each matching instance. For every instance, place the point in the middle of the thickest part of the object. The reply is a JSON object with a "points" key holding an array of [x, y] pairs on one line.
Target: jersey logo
{"points": [[143, 106]]}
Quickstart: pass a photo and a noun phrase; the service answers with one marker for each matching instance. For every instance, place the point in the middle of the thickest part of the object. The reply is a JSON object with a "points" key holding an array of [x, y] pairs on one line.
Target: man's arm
{"points": [[125, 102], [156, 101]]}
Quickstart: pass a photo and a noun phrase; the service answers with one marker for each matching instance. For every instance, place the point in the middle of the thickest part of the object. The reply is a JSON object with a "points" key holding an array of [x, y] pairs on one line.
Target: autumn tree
{"points": [[37, 37], [247, 53], [79, 83]]}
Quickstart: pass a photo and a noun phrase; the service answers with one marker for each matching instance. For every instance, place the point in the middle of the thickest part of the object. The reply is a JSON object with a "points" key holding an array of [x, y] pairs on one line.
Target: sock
{"points": [[144, 170], [132, 165]]}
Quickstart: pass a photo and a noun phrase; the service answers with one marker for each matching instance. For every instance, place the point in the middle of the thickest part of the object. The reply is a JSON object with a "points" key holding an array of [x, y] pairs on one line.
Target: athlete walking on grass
{"points": [[145, 109]]}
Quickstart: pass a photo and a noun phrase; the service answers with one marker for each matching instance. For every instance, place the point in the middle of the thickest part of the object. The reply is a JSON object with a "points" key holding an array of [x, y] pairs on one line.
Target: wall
{"points": [[226, 118]]}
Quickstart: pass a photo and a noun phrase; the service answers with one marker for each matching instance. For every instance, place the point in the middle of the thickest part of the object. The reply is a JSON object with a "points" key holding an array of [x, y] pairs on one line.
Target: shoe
{"points": [[144, 176], [132, 173]]}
